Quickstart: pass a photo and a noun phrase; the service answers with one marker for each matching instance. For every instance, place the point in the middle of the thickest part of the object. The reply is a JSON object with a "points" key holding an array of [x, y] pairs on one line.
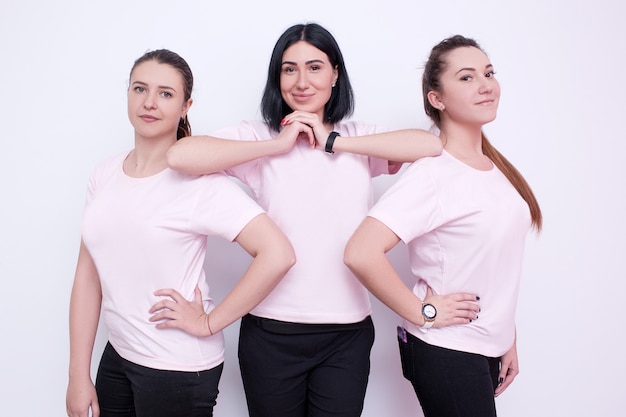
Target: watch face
{"points": [[429, 311]]}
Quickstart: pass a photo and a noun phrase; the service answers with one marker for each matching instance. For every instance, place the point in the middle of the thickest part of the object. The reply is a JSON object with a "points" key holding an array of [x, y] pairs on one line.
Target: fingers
{"points": [[509, 369], [310, 119], [169, 292], [310, 127], [505, 379], [95, 409]]}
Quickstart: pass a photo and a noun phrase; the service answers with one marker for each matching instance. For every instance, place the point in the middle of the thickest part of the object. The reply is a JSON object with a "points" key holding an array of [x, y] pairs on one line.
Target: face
{"points": [[470, 93], [156, 99], [306, 78]]}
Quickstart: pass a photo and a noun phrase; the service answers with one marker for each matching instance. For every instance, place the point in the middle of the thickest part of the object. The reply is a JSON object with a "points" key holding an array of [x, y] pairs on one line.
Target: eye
{"points": [[466, 77], [490, 74], [139, 89], [289, 70], [315, 67], [166, 94]]}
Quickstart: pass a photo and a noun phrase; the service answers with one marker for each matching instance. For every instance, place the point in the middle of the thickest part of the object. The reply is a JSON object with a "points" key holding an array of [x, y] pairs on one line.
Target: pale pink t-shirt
{"points": [[150, 233], [317, 199], [465, 230]]}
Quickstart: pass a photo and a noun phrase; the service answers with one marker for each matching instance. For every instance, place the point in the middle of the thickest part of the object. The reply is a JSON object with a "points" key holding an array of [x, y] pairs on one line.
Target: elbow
{"points": [[437, 146], [350, 257], [290, 260], [287, 258], [174, 158]]}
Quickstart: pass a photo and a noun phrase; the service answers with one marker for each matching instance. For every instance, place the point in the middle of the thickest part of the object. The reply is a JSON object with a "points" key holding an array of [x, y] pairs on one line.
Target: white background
{"points": [[64, 67]]}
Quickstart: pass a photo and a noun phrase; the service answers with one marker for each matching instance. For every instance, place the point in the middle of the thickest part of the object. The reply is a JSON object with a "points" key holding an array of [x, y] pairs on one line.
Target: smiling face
{"points": [[469, 91], [306, 78], [156, 101]]}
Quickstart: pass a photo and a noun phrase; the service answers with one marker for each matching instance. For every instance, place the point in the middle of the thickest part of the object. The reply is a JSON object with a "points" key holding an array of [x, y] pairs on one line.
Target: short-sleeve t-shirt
{"points": [[150, 233], [317, 199], [465, 230]]}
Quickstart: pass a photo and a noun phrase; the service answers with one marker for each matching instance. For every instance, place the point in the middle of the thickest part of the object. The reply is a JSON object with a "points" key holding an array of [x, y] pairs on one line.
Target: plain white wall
{"points": [[64, 67]]}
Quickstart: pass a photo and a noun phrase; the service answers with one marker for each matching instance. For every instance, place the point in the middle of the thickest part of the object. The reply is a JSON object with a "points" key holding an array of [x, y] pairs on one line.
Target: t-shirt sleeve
{"points": [[101, 173], [245, 131], [410, 207], [222, 207]]}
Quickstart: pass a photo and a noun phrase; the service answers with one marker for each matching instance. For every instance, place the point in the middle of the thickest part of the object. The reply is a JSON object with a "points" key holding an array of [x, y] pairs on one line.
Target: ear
{"points": [[186, 107], [335, 75], [435, 100]]}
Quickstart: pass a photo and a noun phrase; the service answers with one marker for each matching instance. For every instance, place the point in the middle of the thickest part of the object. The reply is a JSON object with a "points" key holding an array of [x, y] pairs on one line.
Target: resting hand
{"points": [[176, 312], [80, 397], [319, 130], [458, 308], [509, 368], [291, 132]]}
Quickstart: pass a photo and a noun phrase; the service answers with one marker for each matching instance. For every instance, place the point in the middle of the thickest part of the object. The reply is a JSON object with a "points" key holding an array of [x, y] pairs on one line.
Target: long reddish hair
{"points": [[431, 81]]}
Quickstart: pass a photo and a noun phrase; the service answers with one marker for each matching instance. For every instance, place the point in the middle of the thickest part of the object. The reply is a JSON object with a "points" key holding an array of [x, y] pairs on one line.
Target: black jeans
{"points": [[126, 389], [449, 383], [304, 370]]}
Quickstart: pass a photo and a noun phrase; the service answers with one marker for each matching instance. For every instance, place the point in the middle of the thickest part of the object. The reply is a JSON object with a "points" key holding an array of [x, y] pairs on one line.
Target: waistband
{"points": [[286, 327]]}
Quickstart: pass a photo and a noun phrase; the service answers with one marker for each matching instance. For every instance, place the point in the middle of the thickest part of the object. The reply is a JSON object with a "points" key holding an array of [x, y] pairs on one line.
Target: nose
{"points": [[303, 80], [486, 86], [150, 101]]}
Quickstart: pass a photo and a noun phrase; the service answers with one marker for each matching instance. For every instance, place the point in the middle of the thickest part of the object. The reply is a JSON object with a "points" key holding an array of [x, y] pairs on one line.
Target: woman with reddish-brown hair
{"points": [[464, 216]]}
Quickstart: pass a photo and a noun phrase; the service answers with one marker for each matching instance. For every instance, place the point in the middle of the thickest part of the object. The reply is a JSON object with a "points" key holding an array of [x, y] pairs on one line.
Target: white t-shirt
{"points": [[465, 230], [150, 233], [318, 200]]}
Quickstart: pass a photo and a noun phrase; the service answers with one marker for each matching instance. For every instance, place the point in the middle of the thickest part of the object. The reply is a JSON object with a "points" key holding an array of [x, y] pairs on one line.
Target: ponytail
{"points": [[516, 179], [184, 128]]}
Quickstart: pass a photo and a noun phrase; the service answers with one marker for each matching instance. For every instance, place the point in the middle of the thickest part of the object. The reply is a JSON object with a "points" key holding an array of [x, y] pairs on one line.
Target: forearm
{"points": [[378, 275], [366, 256], [199, 155], [400, 146], [261, 277], [83, 328]]}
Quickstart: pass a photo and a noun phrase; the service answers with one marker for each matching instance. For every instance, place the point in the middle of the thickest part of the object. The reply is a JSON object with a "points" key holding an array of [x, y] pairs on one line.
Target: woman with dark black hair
{"points": [[304, 351]]}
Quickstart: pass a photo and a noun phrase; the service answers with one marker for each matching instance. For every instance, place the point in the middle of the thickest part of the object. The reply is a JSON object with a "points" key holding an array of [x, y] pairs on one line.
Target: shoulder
{"points": [[358, 128], [246, 130], [110, 164]]}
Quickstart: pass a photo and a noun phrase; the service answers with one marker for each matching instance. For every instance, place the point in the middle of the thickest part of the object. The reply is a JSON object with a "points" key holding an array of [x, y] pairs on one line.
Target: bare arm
{"points": [[198, 155], [365, 255], [85, 305], [273, 257], [397, 146], [407, 145]]}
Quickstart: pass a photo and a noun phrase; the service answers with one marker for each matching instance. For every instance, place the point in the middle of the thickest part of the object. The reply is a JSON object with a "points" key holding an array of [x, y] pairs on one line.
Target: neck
{"points": [[465, 144], [148, 157]]}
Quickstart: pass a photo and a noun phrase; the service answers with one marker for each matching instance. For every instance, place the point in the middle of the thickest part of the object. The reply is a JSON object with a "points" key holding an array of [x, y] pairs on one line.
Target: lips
{"points": [[148, 118], [301, 97]]}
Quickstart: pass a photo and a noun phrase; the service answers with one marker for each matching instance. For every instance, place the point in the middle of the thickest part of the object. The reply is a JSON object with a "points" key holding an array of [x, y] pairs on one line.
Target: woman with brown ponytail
{"points": [[140, 264], [464, 216]]}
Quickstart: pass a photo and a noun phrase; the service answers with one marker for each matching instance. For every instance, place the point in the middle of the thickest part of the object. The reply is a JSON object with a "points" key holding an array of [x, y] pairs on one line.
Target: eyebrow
{"points": [[489, 66], [163, 87], [312, 61]]}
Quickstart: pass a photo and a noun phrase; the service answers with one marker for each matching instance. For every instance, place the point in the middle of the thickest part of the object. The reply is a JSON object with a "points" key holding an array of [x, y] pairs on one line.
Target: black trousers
{"points": [[304, 370], [449, 383], [126, 389]]}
